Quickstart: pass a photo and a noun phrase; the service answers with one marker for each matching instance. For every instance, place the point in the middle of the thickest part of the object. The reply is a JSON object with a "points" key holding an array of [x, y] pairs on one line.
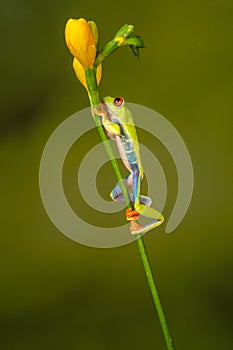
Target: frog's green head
{"points": [[115, 105]]}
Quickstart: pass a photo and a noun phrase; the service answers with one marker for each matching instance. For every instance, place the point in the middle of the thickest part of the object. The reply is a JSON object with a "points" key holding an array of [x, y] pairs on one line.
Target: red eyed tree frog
{"points": [[119, 126]]}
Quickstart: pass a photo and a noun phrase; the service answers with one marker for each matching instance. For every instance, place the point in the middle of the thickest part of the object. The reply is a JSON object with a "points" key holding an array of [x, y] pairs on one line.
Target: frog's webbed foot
{"points": [[136, 228]]}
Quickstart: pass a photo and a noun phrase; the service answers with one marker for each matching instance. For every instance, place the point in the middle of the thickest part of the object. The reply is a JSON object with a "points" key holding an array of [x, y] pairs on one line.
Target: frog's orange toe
{"points": [[131, 214]]}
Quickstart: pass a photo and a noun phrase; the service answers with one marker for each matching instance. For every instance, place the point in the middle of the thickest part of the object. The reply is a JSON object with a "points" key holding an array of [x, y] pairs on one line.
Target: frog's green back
{"points": [[127, 121]]}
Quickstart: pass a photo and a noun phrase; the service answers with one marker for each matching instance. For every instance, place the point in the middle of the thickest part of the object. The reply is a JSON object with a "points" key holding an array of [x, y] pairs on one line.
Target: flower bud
{"points": [[81, 41], [125, 31]]}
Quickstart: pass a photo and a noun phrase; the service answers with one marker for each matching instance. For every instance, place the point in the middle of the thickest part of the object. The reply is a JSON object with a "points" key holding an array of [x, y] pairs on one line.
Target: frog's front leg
{"points": [[110, 127]]}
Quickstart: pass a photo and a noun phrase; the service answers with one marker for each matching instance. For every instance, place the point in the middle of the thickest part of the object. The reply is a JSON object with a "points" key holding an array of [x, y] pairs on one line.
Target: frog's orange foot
{"points": [[131, 214], [135, 228]]}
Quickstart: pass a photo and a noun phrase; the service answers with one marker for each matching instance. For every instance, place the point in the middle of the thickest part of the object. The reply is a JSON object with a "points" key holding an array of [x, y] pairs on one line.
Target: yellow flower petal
{"points": [[80, 41], [80, 73], [99, 73]]}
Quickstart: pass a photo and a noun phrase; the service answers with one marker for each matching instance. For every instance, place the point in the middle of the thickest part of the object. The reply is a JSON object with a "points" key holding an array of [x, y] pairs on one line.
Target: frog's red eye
{"points": [[118, 101]]}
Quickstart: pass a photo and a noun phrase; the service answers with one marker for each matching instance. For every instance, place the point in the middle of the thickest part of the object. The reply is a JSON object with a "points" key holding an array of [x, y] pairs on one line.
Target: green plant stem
{"points": [[155, 293], [94, 101]]}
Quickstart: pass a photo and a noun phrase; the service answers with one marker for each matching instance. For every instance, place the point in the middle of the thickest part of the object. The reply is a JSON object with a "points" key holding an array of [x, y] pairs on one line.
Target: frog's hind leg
{"points": [[141, 204], [141, 208], [117, 195]]}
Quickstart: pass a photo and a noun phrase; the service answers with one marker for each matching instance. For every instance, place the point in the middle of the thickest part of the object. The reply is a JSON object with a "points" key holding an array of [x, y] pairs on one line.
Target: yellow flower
{"points": [[81, 41], [80, 72]]}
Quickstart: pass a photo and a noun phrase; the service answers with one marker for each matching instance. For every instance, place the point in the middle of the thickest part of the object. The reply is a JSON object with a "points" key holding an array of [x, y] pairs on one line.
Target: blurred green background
{"points": [[57, 294]]}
